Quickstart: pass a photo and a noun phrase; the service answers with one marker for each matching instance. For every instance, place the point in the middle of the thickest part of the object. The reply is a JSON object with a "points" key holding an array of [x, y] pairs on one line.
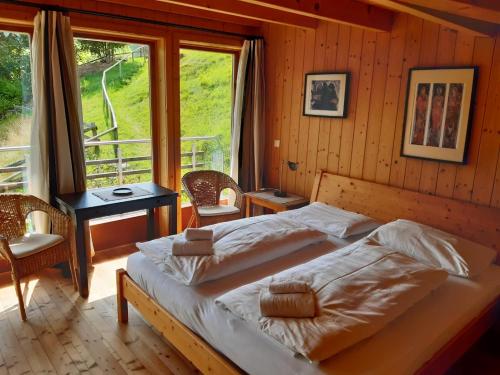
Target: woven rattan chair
{"points": [[203, 189], [29, 253]]}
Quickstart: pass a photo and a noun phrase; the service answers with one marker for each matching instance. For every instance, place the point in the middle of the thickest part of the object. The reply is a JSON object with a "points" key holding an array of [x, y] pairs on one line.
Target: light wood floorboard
{"points": [[66, 334]]}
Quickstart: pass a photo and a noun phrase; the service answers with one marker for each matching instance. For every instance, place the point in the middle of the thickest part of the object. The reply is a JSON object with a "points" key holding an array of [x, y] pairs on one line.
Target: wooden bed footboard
{"points": [[209, 361], [190, 345]]}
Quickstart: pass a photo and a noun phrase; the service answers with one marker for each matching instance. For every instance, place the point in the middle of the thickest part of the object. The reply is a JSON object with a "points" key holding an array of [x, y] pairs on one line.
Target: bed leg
{"points": [[121, 302]]}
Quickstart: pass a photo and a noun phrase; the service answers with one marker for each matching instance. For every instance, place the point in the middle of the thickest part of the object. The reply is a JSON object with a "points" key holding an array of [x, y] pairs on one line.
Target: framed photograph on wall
{"points": [[438, 113], [326, 94]]}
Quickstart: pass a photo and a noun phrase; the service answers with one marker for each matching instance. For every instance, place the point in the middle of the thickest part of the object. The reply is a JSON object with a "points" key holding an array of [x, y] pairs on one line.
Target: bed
{"points": [[216, 342]]}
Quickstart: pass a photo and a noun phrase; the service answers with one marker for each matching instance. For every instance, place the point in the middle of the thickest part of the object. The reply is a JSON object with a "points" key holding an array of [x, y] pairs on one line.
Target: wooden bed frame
{"points": [[382, 202]]}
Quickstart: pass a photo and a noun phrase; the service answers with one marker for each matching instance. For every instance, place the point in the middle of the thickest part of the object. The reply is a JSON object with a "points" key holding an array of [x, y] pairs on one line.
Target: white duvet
{"points": [[359, 289], [238, 245]]}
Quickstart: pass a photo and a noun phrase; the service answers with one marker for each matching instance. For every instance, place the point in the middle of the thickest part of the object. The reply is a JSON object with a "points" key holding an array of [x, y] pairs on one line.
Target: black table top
{"points": [[85, 200]]}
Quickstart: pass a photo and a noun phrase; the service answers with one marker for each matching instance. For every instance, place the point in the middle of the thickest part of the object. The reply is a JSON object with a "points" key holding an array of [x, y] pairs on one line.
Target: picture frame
{"points": [[326, 94], [438, 113]]}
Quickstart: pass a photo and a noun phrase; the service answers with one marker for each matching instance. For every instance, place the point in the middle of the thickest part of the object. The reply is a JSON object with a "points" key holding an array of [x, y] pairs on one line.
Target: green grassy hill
{"points": [[206, 94], [206, 97]]}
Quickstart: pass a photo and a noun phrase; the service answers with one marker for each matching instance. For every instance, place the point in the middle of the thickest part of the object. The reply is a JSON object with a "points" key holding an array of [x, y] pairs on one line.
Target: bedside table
{"points": [[267, 199]]}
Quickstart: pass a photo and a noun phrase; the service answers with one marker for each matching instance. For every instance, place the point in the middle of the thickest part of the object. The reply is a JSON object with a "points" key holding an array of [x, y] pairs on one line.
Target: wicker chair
{"points": [[203, 189], [29, 253]]}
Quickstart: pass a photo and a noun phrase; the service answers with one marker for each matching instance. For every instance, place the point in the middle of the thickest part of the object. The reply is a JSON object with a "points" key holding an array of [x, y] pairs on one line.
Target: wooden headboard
{"points": [[386, 203]]}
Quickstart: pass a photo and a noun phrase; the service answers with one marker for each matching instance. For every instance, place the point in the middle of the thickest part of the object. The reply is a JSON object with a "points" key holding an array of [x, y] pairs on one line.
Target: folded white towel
{"points": [[290, 305], [288, 286], [181, 246], [195, 234]]}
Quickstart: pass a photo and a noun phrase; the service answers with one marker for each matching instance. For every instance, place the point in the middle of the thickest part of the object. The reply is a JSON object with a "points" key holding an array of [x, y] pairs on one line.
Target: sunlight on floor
{"points": [[104, 272], [8, 297]]}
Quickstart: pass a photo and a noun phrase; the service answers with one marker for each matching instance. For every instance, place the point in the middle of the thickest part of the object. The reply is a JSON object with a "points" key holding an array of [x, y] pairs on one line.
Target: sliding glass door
{"points": [[206, 102], [115, 91]]}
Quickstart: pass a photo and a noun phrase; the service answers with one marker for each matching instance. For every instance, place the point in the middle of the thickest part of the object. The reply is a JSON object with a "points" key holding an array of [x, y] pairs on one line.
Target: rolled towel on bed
{"points": [[290, 305], [288, 286], [195, 234], [181, 247]]}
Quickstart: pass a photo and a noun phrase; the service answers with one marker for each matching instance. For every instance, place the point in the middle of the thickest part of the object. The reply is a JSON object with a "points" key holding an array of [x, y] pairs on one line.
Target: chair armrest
{"points": [[61, 223], [5, 249], [239, 201]]}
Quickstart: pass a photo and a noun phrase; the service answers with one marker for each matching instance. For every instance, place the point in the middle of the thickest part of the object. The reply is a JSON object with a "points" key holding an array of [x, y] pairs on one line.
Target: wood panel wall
{"points": [[367, 143]]}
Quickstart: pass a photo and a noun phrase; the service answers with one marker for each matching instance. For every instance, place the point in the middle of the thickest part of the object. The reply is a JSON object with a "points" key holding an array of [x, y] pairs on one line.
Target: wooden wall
{"points": [[366, 144]]}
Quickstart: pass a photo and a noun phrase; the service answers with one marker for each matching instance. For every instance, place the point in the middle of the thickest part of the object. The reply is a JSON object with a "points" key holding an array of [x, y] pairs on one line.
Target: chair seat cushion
{"points": [[32, 243], [217, 210]]}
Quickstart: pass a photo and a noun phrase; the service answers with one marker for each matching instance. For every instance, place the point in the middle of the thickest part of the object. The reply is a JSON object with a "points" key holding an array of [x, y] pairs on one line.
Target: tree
{"points": [[15, 71], [97, 49]]}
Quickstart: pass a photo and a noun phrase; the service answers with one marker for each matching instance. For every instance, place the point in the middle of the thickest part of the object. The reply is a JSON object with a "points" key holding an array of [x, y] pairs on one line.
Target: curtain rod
{"points": [[57, 8]]}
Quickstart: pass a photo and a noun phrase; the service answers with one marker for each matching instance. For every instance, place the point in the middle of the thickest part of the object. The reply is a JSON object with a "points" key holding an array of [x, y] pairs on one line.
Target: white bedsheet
{"points": [[358, 290], [400, 348], [237, 245]]}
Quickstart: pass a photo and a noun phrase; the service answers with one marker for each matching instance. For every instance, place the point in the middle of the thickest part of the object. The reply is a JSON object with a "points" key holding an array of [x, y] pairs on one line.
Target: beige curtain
{"points": [[247, 142], [57, 158]]}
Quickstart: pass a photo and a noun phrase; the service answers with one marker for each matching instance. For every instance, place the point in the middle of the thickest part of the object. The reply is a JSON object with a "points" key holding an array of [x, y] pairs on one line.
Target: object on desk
{"points": [[114, 194], [122, 191], [293, 166]]}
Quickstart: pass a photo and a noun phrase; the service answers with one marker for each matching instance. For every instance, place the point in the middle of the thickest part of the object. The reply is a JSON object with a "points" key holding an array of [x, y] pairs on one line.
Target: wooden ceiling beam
{"points": [[156, 5], [350, 12], [455, 22], [133, 9], [487, 11], [249, 11]]}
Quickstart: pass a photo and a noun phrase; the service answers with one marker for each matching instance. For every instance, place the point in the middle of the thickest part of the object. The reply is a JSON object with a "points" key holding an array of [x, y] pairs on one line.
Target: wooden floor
{"points": [[66, 334]]}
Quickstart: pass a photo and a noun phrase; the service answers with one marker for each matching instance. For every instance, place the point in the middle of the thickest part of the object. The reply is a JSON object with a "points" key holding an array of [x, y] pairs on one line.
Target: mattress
{"points": [[400, 348]]}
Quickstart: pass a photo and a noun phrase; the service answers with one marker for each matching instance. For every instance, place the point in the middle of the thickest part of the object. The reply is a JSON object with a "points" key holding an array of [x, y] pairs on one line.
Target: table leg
{"points": [[81, 256], [151, 223], [248, 206], [172, 220]]}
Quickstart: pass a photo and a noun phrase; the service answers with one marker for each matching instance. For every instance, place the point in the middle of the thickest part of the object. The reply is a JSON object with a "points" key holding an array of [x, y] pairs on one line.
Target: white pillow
{"points": [[434, 247], [331, 220]]}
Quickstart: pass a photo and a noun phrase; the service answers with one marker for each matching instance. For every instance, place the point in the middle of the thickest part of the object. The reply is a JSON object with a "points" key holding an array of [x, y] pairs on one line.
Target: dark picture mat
{"points": [[108, 196], [338, 92]]}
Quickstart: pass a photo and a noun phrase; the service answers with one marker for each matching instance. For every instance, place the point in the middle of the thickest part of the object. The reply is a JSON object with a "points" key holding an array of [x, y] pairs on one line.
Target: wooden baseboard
{"points": [[113, 253]]}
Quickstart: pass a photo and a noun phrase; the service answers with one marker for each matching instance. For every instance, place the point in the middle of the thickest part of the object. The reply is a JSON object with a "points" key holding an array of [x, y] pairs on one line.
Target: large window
{"points": [[206, 94], [15, 110], [115, 92]]}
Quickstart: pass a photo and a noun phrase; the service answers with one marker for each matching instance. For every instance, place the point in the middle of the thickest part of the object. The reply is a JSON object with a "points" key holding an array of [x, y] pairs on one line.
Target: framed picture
{"points": [[438, 114], [326, 94]]}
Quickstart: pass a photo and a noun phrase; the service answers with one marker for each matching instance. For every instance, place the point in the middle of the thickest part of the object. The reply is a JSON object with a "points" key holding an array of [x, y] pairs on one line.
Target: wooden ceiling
{"points": [[478, 17]]}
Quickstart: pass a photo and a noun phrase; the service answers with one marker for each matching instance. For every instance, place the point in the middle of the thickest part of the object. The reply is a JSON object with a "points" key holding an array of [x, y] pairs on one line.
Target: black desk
{"points": [[86, 206]]}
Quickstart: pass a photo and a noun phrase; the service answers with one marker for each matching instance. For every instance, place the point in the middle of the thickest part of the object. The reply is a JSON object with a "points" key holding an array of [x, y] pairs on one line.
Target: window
{"points": [[206, 101], [15, 110], [115, 92]]}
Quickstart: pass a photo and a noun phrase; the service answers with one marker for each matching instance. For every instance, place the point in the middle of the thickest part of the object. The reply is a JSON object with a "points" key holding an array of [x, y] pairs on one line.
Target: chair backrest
{"points": [[12, 216], [204, 187]]}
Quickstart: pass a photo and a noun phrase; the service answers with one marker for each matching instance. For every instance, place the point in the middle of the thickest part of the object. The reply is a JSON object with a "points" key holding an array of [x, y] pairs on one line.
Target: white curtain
{"points": [[57, 163], [247, 138]]}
